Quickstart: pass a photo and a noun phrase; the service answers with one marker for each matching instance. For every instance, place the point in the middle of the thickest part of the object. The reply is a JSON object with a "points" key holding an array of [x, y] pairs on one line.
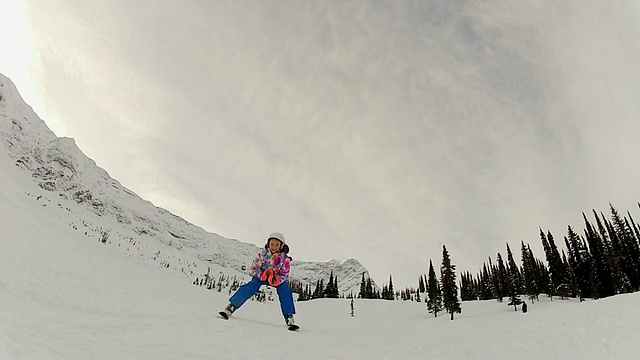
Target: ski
{"points": [[223, 315], [293, 327]]}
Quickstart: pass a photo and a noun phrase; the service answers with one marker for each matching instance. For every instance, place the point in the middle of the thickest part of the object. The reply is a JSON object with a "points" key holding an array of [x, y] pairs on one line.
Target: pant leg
{"points": [[285, 295], [245, 292]]}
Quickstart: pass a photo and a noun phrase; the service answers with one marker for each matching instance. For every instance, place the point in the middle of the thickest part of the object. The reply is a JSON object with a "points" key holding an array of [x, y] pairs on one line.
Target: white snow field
{"points": [[63, 296]]}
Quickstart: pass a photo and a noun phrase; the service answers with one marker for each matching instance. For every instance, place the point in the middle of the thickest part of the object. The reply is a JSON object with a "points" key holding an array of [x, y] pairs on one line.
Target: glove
{"points": [[270, 277]]}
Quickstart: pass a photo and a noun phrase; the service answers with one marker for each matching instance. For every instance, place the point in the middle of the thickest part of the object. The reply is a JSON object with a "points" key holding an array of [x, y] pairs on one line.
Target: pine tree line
{"points": [[231, 284], [320, 291], [601, 262], [440, 295], [222, 282]]}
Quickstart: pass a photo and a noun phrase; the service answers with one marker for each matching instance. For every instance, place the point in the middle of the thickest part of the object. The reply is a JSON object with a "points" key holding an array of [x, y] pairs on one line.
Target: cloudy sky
{"points": [[376, 130]]}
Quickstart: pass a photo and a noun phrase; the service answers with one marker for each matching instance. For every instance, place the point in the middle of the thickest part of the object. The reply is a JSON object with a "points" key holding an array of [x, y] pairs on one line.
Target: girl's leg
{"points": [[286, 299], [245, 292]]}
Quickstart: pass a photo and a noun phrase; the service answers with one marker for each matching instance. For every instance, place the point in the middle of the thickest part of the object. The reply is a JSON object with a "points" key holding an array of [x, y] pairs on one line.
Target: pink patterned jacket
{"points": [[280, 263]]}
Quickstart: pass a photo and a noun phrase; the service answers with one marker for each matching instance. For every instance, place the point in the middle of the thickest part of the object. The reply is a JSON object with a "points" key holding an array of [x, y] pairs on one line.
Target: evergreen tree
{"points": [[467, 287], [421, 287], [611, 250], [387, 291], [601, 279], [370, 293], [464, 287], [352, 309], [579, 263], [328, 290], [543, 276], [515, 278], [425, 281], [636, 229], [486, 287], [628, 250], [319, 291], [363, 288], [556, 268], [501, 279], [434, 294], [621, 252], [572, 290], [331, 291], [529, 272], [304, 295], [514, 284], [450, 299]]}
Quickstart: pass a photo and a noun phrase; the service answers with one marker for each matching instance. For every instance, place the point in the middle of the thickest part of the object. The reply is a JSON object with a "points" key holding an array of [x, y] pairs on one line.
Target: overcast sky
{"points": [[376, 130]]}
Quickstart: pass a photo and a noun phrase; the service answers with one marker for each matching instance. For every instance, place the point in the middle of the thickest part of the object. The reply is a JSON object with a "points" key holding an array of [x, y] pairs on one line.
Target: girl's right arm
{"points": [[256, 267]]}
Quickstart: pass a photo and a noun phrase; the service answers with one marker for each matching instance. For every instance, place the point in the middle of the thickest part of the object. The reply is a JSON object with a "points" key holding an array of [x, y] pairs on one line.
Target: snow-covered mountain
{"points": [[84, 196]]}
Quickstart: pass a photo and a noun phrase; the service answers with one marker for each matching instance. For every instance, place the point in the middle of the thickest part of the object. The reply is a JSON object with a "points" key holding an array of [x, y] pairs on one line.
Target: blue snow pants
{"points": [[285, 295]]}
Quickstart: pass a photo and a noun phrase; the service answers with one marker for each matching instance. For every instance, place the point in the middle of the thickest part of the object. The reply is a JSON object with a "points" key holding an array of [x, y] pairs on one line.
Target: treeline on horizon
{"points": [[602, 261]]}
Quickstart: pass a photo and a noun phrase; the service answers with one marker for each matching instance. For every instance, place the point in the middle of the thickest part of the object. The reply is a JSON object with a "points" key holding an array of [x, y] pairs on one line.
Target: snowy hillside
{"points": [[82, 196], [63, 297]]}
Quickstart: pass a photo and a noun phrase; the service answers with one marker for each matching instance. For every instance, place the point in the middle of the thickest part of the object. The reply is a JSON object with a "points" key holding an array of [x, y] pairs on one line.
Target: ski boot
{"points": [[288, 319], [227, 311]]}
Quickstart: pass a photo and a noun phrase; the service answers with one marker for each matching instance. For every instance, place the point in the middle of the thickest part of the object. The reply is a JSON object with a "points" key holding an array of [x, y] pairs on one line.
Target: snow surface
{"points": [[63, 296]]}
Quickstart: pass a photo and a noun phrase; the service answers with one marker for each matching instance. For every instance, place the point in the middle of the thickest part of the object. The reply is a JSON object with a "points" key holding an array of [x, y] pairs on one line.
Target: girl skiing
{"points": [[271, 267]]}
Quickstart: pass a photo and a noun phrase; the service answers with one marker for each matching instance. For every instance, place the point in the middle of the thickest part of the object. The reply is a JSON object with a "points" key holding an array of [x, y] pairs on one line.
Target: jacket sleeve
{"points": [[283, 269], [256, 267]]}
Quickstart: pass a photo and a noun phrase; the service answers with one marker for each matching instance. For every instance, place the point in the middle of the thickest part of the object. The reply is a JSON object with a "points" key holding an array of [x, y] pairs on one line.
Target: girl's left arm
{"points": [[283, 270]]}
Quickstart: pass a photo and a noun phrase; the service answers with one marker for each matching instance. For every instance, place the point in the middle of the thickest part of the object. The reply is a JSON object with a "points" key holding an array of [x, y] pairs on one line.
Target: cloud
{"points": [[379, 131]]}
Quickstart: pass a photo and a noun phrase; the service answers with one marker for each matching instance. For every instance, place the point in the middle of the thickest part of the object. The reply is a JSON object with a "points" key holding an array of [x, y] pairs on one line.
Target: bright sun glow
{"points": [[19, 59]]}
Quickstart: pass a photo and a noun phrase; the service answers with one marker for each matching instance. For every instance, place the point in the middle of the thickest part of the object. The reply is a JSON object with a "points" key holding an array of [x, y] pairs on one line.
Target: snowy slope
{"points": [[87, 199], [63, 297]]}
